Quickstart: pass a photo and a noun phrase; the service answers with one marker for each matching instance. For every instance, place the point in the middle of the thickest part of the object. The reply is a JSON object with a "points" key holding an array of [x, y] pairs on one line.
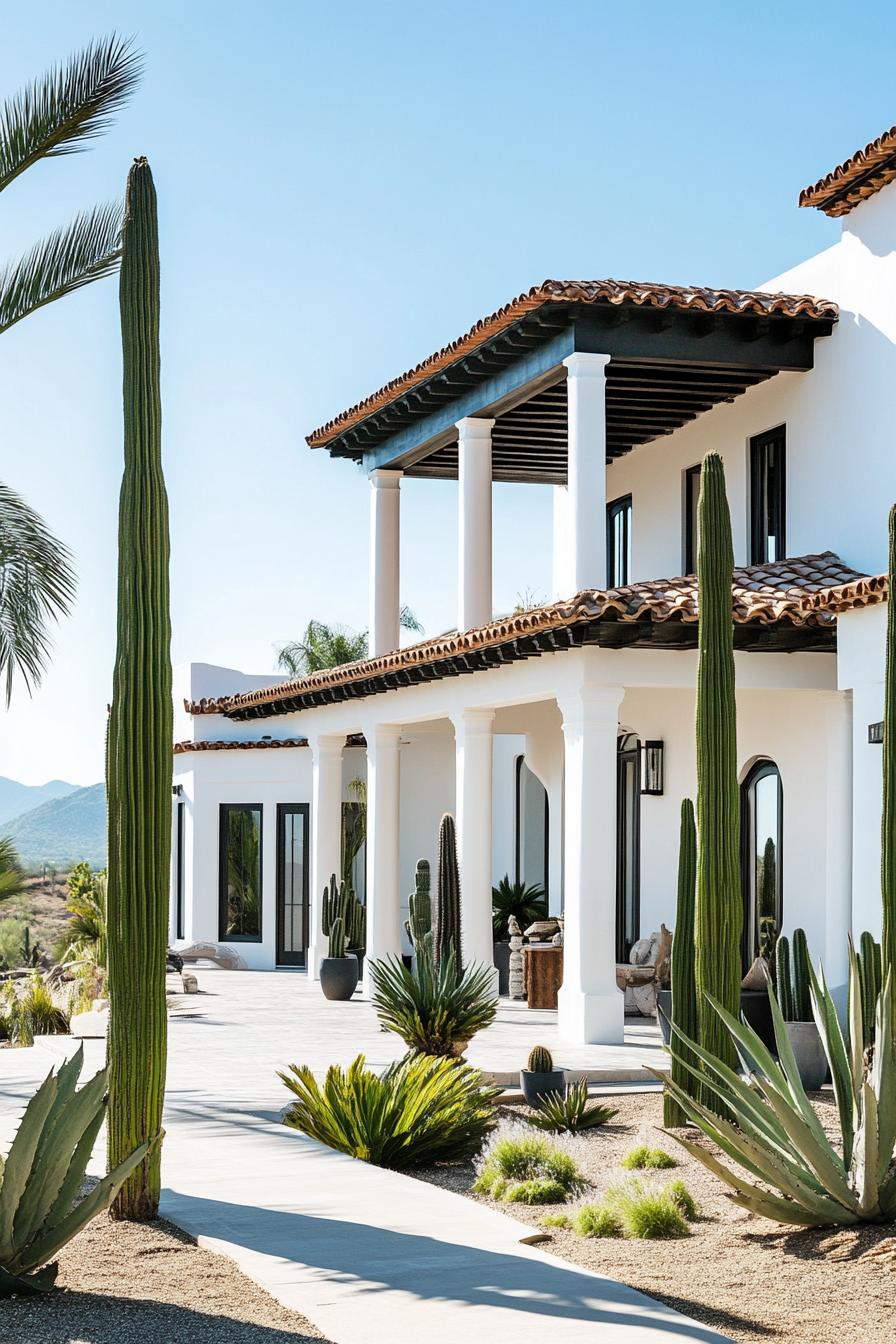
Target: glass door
{"points": [[628, 844], [292, 883]]}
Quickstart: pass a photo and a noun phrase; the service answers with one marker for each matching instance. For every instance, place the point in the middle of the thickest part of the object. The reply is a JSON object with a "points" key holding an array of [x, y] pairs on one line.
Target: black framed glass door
{"points": [[628, 844], [292, 883]]}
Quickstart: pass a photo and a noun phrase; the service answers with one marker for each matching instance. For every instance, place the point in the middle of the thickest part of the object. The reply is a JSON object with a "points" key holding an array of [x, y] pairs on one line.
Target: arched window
{"points": [[762, 820], [628, 844]]}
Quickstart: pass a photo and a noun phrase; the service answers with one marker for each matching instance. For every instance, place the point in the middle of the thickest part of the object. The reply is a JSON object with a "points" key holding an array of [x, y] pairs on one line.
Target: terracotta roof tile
{"points": [[180, 748], [857, 178], [763, 594], [615, 292], [867, 591]]}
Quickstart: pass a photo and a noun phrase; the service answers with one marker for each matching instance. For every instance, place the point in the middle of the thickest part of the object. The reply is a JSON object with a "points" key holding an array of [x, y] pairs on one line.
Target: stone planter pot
{"points": [[339, 976], [538, 1085], [501, 958], [664, 1013], [811, 1060]]}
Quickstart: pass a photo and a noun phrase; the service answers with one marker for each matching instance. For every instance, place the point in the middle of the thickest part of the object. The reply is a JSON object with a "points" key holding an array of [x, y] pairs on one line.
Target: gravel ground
{"points": [[746, 1276], [130, 1283]]}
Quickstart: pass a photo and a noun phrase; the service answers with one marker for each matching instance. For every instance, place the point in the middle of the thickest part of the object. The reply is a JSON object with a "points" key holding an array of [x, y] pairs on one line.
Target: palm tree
{"points": [[12, 878], [57, 114], [324, 646]]}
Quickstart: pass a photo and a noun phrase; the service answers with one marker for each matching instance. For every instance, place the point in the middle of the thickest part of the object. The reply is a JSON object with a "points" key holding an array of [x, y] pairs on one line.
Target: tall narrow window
{"points": [[179, 870], [292, 883], [762, 821], [767, 497], [619, 541], [531, 828], [239, 910], [691, 502], [628, 844]]}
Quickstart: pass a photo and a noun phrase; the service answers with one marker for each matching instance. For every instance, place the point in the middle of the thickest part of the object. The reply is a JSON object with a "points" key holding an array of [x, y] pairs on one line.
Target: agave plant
{"points": [[417, 1112], [777, 1137], [435, 1008], [568, 1112], [43, 1175]]}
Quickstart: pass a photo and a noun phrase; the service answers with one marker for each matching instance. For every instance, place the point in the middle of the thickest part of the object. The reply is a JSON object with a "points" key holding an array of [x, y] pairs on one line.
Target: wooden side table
{"points": [[543, 974]]}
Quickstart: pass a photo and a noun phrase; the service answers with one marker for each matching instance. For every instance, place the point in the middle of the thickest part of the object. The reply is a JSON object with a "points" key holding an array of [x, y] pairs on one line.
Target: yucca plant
{"points": [[776, 1136], [435, 1008], [568, 1112], [43, 1175], [418, 1112]]}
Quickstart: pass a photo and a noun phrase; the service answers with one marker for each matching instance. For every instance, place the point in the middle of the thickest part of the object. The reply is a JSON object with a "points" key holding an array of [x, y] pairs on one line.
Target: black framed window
{"points": [[762, 828], [532, 828], [691, 503], [768, 497], [179, 870], [628, 844], [292, 883], [619, 541], [239, 873]]}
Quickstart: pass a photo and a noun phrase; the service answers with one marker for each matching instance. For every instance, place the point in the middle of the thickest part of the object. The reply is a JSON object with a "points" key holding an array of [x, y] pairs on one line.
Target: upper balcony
{"points": [[551, 388]]}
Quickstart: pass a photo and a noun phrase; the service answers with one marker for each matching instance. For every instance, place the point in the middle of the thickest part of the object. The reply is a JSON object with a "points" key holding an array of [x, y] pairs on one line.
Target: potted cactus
{"points": [[540, 1079], [339, 972], [795, 1002]]}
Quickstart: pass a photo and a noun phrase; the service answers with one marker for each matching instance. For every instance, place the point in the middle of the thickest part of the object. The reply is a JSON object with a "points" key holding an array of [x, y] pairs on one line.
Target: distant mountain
{"points": [[62, 831], [16, 798]]}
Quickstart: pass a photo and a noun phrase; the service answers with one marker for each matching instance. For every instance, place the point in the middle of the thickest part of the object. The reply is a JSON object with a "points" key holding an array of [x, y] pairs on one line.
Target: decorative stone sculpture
{"points": [[516, 980]]}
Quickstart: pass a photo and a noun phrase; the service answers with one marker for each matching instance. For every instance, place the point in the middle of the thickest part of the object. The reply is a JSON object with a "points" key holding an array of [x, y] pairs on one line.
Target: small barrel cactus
{"points": [[540, 1060]]}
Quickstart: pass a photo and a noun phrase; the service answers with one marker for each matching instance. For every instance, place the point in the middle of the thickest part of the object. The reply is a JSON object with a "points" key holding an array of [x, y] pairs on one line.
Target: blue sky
{"points": [[343, 187]]}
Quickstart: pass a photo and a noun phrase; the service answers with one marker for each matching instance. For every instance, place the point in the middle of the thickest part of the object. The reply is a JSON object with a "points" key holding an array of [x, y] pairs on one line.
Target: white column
{"points": [[591, 1008], [473, 775], [586, 469], [326, 833], [383, 823], [838, 836], [561, 576], [474, 522], [385, 603]]}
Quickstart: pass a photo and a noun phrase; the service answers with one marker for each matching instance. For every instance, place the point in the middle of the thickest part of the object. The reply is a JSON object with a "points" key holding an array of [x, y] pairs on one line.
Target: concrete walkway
{"points": [[367, 1255]]}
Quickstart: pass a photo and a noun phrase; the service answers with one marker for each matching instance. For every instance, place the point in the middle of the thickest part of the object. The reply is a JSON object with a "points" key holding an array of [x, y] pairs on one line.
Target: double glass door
{"points": [[292, 884]]}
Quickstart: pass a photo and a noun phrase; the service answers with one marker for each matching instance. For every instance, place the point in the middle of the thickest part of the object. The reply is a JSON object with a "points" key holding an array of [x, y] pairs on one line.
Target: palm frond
{"points": [[320, 647], [408, 620], [68, 106], [88, 249], [37, 586], [12, 876]]}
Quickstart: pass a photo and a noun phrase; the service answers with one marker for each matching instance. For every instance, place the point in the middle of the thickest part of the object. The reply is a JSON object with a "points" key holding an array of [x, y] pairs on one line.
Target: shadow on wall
{"points": [[375, 1260]]}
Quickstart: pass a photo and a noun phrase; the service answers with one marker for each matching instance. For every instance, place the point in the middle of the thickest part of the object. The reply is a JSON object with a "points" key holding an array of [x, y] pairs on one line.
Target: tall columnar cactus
{"points": [[719, 914], [140, 730], [419, 923], [784, 979], [336, 938], [684, 990], [340, 902], [868, 959], [446, 931], [888, 818], [802, 999]]}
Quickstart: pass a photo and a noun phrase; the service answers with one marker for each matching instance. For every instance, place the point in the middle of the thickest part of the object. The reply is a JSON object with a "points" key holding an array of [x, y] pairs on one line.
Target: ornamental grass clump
{"points": [[647, 1211], [596, 1220], [525, 1169], [654, 1159], [436, 1008], [419, 1111], [569, 1112]]}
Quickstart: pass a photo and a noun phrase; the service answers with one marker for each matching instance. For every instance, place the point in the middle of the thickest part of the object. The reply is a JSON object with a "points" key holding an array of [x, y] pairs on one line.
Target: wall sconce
{"points": [[177, 790], [652, 768]]}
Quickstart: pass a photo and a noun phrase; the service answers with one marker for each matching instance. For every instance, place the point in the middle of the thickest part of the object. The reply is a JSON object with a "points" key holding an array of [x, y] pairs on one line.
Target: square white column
{"points": [[474, 522], [838, 838], [473, 746], [326, 834], [383, 823], [385, 532], [587, 470], [590, 1007]]}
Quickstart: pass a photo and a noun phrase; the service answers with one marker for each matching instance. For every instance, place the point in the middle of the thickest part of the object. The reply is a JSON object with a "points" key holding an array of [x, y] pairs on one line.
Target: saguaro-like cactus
{"points": [[719, 913], [783, 979], [140, 728], [802, 999], [868, 959], [419, 923], [446, 933], [684, 989], [888, 817], [340, 902]]}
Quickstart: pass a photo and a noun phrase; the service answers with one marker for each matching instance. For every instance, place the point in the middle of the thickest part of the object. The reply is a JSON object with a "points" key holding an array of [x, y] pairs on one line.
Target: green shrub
{"points": [[653, 1159], [682, 1197], [537, 1191], [597, 1220], [44, 1016], [12, 938], [646, 1211], [554, 1220], [436, 1008], [84, 938], [569, 1112], [512, 1161], [419, 1111]]}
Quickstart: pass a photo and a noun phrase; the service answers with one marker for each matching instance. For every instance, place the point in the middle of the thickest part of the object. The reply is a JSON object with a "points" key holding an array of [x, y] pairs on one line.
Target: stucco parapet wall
{"points": [[616, 293], [858, 177], [763, 595]]}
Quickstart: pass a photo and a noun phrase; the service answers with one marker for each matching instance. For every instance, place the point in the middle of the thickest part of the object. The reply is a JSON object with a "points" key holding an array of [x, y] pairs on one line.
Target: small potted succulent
{"points": [[339, 972], [540, 1079], [795, 1003]]}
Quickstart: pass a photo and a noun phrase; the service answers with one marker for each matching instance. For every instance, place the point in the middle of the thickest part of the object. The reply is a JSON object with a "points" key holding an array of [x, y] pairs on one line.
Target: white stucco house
{"points": [[562, 737]]}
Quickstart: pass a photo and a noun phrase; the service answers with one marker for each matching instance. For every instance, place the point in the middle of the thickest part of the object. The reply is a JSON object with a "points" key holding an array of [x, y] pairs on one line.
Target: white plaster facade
{"points": [[453, 744]]}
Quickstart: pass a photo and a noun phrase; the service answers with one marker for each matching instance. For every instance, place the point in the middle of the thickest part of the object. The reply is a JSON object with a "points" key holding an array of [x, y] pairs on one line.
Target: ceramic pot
{"points": [[811, 1060], [538, 1085], [501, 959], [339, 976]]}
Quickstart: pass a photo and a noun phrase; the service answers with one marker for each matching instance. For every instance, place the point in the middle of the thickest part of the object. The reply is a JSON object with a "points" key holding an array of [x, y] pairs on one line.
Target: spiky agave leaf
{"points": [[435, 1008], [569, 1112]]}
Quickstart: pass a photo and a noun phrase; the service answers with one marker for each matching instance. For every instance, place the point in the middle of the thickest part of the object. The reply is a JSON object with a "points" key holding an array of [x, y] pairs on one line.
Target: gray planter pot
{"points": [[339, 976], [811, 1060], [538, 1085], [501, 958]]}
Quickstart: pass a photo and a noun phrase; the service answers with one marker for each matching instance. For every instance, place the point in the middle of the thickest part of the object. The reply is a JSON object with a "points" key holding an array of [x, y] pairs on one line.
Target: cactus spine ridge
{"points": [[783, 978], [446, 930], [684, 989], [540, 1060]]}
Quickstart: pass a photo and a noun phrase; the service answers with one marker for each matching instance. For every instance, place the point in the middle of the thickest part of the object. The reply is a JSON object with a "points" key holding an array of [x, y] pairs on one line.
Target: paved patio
{"points": [[367, 1255]]}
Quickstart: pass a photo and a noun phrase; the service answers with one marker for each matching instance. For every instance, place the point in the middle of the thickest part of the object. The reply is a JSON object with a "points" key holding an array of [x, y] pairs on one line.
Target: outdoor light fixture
{"points": [[652, 768], [876, 733], [177, 789]]}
